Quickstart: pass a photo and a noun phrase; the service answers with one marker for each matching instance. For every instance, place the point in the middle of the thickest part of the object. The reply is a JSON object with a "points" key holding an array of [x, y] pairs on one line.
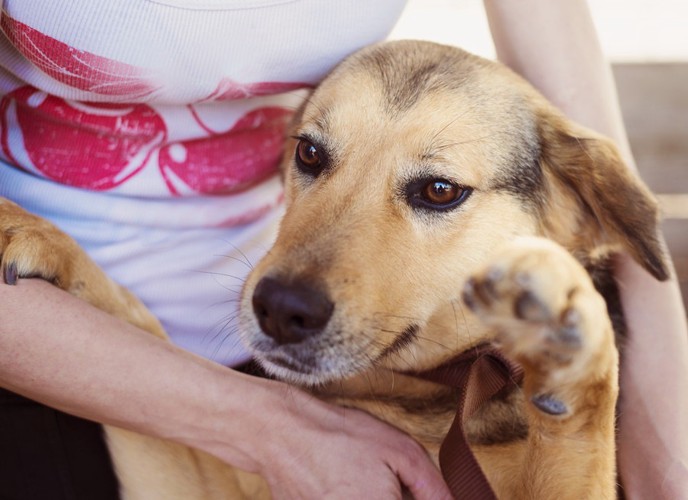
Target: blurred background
{"points": [[647, 43]]}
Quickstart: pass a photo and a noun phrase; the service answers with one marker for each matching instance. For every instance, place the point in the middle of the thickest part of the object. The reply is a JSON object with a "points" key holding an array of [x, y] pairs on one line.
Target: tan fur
{"points": [[548, 196]]}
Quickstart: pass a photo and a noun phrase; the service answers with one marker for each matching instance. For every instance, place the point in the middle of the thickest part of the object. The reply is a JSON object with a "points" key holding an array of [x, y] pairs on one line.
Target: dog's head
{"points": [[407, 167]]}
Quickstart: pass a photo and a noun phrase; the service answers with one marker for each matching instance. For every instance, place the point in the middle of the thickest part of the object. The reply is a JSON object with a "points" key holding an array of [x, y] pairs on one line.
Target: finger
{"points": [[430, 487], [417, 473]]}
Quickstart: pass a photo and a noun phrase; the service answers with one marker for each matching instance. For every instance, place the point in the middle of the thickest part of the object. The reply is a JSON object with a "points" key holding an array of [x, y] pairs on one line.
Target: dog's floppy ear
{"points": [[616, 205]]}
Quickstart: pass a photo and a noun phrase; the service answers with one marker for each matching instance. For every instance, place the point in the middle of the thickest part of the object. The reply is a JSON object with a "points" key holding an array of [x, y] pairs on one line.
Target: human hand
{"points": [[311, 449]]}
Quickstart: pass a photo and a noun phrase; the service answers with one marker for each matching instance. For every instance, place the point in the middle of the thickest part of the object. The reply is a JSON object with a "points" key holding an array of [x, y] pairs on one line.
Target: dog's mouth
{"points": [[315, 361], [281, 337]]}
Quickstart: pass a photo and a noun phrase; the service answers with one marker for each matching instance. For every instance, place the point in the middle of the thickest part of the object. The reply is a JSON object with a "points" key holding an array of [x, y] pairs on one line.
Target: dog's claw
{"points": [[547, 403], [10, 274]]}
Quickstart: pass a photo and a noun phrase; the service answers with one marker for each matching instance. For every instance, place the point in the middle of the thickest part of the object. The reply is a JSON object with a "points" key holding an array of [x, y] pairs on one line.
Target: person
{"points": [[150, 133]]}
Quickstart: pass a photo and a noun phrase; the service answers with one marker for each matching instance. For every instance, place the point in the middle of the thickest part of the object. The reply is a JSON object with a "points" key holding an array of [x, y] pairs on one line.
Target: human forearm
{"points": [[60, 351], [653, 440], [555, 47]]}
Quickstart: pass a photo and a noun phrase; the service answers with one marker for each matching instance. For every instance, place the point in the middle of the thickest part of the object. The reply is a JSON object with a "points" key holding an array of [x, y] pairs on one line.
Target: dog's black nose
{"points": [[290, 313]]}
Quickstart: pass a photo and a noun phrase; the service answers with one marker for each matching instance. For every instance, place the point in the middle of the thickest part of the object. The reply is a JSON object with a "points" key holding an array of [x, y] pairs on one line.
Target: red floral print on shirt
{"points": [[102, 146], [228, 162], [229, 89], [94, 146]]}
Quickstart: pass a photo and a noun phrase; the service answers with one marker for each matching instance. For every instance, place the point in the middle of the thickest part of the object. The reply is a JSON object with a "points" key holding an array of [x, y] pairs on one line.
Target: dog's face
{"points": [[407, 168]]}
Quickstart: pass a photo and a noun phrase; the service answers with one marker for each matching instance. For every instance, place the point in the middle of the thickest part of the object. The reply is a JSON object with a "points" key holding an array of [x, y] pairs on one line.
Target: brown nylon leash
{"points": [[479, 373]]}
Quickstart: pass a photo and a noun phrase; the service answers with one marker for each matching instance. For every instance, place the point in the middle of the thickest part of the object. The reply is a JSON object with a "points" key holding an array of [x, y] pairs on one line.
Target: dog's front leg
{"points": [[549, 317], [31, 247]]}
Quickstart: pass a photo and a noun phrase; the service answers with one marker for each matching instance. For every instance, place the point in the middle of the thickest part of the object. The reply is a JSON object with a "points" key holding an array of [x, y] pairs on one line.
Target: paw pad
{"points": [[529, 307]]}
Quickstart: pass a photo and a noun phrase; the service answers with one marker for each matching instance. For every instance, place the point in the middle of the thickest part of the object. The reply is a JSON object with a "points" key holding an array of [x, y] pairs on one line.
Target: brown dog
{"points": [[420, 180]]}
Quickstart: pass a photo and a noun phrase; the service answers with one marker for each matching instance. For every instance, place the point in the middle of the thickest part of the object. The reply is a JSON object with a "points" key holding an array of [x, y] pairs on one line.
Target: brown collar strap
{"points": [[479, 373]]}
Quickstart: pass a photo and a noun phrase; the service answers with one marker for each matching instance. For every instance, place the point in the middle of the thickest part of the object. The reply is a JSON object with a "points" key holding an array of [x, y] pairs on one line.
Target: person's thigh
{"points": [[49, 455]]}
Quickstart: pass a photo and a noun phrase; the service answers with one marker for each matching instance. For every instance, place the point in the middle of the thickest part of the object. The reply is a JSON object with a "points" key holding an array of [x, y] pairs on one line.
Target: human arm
{"points": [[89, 364], [555, 47]]}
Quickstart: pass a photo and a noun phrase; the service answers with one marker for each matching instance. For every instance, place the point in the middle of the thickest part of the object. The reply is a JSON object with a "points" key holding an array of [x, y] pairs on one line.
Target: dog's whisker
{"points": [[216, 329], [244, 258], [224, 275], [225, 329], [239, 260], [458, 117], [396, 332], [466, 328], [433, 341], [227, 333], [396, 316]]}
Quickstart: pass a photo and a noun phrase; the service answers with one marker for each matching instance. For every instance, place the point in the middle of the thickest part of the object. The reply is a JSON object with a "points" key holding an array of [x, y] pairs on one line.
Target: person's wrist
{"points": [[279, 412], [241, 419]]}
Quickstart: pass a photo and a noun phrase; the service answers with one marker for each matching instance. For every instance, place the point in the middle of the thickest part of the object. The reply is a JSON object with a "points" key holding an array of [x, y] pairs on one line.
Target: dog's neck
{"points": [[461, 385], [407, 398], [479, 373]]}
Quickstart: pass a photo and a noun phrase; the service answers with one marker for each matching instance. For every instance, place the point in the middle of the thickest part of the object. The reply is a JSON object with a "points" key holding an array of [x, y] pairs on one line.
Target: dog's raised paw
{"points": [[537, 297]]}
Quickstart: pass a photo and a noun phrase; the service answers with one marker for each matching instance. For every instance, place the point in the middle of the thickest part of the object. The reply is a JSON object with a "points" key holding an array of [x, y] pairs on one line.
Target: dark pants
{"points": [[49, 455]]}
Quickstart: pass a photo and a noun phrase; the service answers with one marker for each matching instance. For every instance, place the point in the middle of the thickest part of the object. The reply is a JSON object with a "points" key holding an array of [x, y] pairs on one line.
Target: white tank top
{"points": [[151, 131]]}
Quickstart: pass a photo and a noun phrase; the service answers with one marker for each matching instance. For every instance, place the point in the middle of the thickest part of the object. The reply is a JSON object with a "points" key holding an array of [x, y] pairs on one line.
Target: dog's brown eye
{"points": [[308, 158], [436, 194], [441, 192]]}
